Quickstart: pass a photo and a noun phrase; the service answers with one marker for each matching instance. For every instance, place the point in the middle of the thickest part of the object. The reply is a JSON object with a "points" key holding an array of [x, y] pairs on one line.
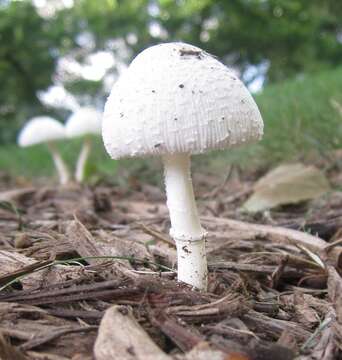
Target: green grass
{"points": [[35, 161], [300, 120]]}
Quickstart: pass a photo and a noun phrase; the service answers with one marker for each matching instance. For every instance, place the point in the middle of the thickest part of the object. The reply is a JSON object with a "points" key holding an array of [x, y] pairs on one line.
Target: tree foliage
{"points": [[282, 38], [27, 62]]}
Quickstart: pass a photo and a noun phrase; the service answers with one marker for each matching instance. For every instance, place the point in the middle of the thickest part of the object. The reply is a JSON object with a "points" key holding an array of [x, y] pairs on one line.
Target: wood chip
{"points": [[9, 352], [282, 235]]}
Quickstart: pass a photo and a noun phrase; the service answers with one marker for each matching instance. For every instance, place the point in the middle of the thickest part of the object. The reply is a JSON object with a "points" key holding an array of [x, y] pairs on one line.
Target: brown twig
{"points": [[156, 234], [53, 335]]}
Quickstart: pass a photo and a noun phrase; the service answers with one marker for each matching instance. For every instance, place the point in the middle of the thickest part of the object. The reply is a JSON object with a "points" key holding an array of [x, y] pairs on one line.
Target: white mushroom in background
{"points": [[175, 100], [44, 129], [83, 123]]}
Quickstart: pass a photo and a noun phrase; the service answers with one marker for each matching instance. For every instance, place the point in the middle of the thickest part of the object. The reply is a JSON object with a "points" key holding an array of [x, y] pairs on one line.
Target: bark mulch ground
{"points": [[88, 273]]}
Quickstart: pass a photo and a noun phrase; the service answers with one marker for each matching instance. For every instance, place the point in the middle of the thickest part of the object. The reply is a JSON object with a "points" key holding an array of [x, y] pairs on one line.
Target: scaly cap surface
{"points": [[176, 98]]}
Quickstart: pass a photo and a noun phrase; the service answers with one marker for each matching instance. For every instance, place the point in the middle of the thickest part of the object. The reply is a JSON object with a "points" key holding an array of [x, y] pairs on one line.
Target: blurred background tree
{"points": [[27, 63], [76, 48]]}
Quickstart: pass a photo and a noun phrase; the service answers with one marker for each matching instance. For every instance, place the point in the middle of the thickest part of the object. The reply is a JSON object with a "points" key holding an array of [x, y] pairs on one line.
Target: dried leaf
{"points": [[287, 184], [121, 337], [203, 351]]}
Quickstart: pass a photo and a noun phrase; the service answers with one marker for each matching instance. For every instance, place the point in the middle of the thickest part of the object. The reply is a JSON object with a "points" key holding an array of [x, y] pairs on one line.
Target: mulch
{"points": [[89, 273]]}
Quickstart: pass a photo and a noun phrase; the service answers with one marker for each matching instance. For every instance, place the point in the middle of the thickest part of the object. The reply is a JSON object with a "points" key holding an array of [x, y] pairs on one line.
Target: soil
{"points": [[84, 264]]}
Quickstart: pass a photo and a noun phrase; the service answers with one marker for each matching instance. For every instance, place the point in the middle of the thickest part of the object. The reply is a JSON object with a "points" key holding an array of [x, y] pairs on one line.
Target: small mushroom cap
{"points": [[176, 98], [41, 129], [84, 121]]}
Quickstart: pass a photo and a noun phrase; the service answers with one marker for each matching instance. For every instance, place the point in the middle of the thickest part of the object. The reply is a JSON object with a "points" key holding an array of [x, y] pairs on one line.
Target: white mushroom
{"points": [[175, 100], [83, 123], [44, 129]]}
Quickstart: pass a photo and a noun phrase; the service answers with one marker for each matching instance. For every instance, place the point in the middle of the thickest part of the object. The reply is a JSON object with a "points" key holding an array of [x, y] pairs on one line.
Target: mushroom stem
{"points": [[82, 160], [62, 169], [185, 229]]}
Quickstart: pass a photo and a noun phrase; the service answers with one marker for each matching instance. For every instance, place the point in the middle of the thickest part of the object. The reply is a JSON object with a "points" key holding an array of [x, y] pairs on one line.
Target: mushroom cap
{"points": [[176, 98], [41, 129], [84, 121]]}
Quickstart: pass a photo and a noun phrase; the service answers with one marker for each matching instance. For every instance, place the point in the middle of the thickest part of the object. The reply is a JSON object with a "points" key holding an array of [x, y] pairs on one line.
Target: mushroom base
{"points": [[192, 263]]}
